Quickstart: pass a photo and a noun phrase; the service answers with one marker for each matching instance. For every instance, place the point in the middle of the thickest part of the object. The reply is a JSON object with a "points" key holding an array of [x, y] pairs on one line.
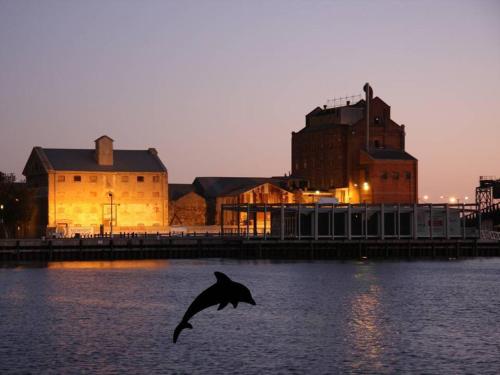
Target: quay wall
{"points": [[238, 248]]}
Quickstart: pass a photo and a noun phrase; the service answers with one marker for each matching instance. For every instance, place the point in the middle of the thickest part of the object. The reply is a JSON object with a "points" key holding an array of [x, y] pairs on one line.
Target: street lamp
{"points": [[1, 214], [111, 216]]}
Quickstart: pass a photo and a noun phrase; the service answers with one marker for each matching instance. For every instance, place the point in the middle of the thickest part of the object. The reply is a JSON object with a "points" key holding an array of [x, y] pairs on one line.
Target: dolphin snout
{"points": [[252, 302]]}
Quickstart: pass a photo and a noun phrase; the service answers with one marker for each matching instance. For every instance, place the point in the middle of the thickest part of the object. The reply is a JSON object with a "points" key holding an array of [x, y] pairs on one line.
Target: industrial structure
{"points": [[357, 152], [96, 191]]}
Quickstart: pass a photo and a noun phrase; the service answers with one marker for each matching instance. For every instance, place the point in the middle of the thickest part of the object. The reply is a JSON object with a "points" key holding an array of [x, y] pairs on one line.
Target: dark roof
{"points": [[63, 159], [176, 191], [389, 154], [212, 187]]}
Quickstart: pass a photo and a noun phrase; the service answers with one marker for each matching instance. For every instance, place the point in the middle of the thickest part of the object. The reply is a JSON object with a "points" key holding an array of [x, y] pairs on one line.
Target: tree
{"points": [[16, 205]]}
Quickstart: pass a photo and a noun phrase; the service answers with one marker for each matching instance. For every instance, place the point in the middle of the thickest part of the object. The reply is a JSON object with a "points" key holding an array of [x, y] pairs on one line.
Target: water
{"points": [[318, 318]]}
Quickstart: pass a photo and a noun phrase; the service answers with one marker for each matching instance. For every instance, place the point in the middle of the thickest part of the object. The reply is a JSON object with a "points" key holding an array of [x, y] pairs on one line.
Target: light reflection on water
{"points": [[109, 264], [311, 317]]}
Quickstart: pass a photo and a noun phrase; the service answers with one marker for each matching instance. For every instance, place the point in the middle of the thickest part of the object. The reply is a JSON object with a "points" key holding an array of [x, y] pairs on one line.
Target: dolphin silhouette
{"points": [[224, 291]]}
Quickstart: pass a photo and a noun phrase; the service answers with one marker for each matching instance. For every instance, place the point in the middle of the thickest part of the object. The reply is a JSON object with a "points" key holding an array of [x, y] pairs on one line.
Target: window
{"points": [[156, 194], [77, 178], [124, 178], [93, 178], [61, 178], [408, 175], [140, 194], [395, 175], [383, 176], [140, 178], [156, 178]]}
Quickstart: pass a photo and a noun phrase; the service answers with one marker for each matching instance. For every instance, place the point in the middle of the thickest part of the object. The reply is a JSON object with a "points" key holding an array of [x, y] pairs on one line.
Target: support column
{"points": [[316, 221], [415, 218], [398, 222], [478, 213], [382, 221], [238, 220], [447, 221], [430, 221], [299, 215], [222, 220], [463, 222], [265, 221], [365, 224], [333, 221], [282, 222], [248, 221], [349, 234]]}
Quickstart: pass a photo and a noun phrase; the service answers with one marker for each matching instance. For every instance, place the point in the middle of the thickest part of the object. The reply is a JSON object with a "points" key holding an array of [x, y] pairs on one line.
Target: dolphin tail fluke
{"points": [[179, 328]]}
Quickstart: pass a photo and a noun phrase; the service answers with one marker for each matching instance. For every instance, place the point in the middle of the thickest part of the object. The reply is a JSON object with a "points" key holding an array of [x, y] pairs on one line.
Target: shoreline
{"points": [[240, 248]]}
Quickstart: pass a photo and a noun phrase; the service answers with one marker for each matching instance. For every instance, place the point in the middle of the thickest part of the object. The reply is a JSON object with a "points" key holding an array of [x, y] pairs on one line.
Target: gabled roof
{"points": [[176, 191], [212, 187], [62, 159], [389, 154]]}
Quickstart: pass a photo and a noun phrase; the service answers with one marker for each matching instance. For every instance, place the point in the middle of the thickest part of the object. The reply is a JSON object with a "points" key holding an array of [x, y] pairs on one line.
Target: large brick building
{"points": [[88, 191], [335, 152]]}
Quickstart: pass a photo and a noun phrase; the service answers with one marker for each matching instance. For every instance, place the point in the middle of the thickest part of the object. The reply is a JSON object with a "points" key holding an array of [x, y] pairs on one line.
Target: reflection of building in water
{"points": [[366, 336], [88, 191]]}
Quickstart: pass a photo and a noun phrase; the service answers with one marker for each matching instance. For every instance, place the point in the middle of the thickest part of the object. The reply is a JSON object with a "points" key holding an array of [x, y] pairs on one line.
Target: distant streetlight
{"points": [[426, 198], [111, 216], [1, 213]]}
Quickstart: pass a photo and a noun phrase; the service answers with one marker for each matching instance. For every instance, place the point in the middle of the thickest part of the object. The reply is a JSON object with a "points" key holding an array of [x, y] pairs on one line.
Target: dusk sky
{"points": [[218, 86]]}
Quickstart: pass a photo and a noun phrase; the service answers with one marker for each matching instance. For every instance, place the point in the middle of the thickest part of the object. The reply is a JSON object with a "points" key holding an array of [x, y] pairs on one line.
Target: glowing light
{"points": [[426, 197], [355, 185], [1, 206], [366, 186], [317, 191], [453, 200], [441, 197], [466, 198]]}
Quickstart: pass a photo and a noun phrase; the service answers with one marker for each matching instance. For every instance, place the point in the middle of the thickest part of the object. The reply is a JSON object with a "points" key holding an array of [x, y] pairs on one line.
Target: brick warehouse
{"points": [[335, 152]]}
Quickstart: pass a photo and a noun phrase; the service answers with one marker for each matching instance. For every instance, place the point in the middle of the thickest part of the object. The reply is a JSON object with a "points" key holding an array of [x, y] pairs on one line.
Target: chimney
{"points": [[104, 151]]}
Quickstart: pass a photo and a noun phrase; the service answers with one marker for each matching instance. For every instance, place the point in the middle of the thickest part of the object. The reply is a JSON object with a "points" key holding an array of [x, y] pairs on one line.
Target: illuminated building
{"points": [[358, 157], [101, 190]]}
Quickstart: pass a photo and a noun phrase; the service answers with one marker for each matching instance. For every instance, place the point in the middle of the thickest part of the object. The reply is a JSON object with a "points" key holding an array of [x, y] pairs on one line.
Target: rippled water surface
{"points": [[318, 318]]}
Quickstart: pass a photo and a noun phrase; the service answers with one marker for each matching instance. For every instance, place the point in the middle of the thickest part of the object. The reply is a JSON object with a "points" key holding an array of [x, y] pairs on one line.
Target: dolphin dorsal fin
{"points": [[221, 278]]}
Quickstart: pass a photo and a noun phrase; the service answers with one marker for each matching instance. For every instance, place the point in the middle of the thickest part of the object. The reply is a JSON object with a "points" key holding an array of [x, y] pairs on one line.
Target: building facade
{"points": [[186, 208], [101, 190], [356, 151]]}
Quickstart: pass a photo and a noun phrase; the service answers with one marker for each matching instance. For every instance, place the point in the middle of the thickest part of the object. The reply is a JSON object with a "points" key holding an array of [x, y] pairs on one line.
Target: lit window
{"points": [[77, 178], [93, 194], [140, 178], [156, 194], [140, 194], [61, 178], [156, 178], [124, 178], [93, 178]]}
